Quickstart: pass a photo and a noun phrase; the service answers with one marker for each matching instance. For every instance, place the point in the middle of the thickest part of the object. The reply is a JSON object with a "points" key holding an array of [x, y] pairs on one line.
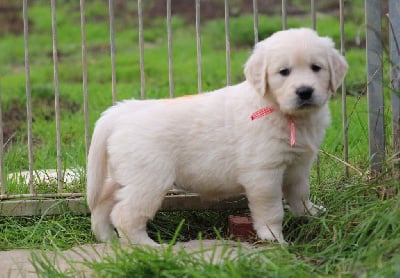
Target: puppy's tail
{"points": [[97, 163], [100, 189]]}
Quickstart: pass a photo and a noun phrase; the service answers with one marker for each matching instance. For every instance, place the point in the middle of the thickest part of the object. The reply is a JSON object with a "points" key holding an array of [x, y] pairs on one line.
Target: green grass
{"points": [[358, 235], [61, 231], [228, 260]]}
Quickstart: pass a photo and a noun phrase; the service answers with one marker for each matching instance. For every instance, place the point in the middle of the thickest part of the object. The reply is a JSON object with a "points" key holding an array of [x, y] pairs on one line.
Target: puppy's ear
{"points": [[255, 69], [337, 66]]}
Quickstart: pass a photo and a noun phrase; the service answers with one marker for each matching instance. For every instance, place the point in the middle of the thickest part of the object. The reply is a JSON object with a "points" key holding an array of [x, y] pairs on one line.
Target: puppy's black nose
{"points": [[304, 92]]}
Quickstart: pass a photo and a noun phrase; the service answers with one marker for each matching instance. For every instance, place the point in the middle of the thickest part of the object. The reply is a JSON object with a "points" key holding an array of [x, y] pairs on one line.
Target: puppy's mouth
{"points": [[305, 97], [306, 104]]}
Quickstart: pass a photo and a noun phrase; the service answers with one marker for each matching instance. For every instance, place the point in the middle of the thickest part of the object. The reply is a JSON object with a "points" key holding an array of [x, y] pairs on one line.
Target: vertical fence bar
{"points": [[394, 38], [28, 95], [112, 50], [344, 99], [84, 79], [255, 20], [314, 27], [228, 44], [56, 96], [284, 15], [313, 15], [2, 184], [374, 87], [141, 51], [198, 48], [170, 51]]}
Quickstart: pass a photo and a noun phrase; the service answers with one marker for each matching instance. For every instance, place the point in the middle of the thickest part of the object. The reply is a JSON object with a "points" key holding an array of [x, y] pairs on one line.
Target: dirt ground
{"points": [[17, 263]]}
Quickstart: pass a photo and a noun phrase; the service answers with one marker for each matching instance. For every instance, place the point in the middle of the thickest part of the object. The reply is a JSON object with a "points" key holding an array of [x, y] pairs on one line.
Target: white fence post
{"points": [[344, 96], [56, 97], [170, 51], [198, 49], [313, 15], [84, 79], [141, 51], [227, 44], [112, 52], [28, 95], [284, 15], [255, 20]]}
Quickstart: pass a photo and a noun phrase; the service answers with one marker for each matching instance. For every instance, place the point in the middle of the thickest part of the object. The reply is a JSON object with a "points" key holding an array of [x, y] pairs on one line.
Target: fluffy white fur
{"points": [[208, 144]]}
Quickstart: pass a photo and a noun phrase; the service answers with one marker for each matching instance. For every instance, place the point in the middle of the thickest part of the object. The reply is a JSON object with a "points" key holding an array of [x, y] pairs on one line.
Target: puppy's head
{"points": [[297, 69]]}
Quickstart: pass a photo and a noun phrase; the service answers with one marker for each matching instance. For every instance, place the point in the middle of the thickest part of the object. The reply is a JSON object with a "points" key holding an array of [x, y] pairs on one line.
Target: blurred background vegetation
{"points": [[12, 72]]}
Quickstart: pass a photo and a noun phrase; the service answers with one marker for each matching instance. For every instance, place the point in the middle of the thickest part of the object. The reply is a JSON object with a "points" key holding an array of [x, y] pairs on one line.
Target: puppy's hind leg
{"points": [[100, 214], [101, 222], [136, 205]]}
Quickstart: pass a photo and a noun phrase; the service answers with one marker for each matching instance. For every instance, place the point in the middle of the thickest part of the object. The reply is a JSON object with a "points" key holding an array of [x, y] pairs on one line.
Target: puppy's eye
{"points": [[284, 72], [315, 68]]}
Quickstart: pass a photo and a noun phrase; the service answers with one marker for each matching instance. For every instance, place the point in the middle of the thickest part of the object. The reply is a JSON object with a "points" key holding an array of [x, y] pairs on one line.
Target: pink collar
{"points": [[269, 109]]}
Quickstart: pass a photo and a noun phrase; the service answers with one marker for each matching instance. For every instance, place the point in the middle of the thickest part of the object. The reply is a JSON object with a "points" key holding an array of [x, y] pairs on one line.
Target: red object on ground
{"points": [[240, 227]]}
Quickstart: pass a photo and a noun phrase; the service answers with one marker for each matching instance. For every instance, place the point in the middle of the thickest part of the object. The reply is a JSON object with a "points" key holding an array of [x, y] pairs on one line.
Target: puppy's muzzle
{"points": [[305, 96]]}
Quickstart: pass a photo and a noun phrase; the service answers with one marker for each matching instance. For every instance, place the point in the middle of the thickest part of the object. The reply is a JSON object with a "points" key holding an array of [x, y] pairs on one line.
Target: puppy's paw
{"points": [[300, 208], [139, 237], [268, 234], [314, 209]]}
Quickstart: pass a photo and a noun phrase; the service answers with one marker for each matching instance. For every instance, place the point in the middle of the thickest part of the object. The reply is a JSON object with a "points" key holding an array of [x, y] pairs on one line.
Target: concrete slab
{"points": [[17, 263]]}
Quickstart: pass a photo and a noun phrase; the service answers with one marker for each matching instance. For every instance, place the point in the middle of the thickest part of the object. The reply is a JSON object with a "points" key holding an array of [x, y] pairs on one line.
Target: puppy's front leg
{"points": [[296, 190], [264, 193]]}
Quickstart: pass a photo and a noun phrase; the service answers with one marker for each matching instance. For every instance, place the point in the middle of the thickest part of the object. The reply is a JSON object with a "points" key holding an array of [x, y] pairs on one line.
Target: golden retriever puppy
{"points": [[258, 137]]}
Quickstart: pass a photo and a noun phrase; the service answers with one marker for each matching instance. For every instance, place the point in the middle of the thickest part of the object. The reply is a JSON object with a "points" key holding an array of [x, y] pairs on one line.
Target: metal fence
{"points": [[35, 203]]}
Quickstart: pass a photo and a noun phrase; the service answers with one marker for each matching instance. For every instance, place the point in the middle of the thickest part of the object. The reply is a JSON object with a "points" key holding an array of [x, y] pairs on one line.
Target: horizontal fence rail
{"points": [[34, 202], [75, 204]]}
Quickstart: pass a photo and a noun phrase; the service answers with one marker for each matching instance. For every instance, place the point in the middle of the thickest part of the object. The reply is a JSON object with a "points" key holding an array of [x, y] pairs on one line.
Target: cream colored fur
{"points": [[208, 144]]}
